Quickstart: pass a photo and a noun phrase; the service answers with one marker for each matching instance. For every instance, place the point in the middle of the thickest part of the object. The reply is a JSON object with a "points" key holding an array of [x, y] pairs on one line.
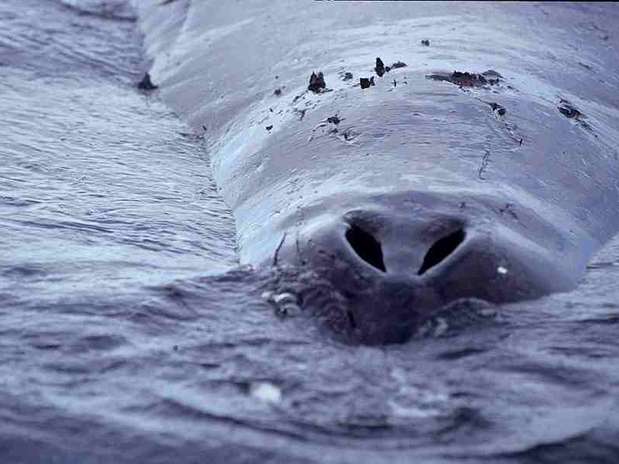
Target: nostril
{"points": [[441, 249], [366, 246]]}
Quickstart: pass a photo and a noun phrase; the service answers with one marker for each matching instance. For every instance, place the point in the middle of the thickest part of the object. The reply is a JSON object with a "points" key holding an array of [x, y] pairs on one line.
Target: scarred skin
{"points": [[415, 192]]}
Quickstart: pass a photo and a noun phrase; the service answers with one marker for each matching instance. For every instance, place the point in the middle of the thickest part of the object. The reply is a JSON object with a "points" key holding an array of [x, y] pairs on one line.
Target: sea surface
{"points": [[129, 333]]}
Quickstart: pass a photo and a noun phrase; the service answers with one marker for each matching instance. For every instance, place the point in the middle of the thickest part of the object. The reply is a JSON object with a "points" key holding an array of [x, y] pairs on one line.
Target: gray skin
{"points": [[422, 193]]}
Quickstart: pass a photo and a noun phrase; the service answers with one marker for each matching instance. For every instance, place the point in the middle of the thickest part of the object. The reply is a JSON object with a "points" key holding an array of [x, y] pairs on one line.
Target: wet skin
{"points": [[415, 192], [394, 259]]}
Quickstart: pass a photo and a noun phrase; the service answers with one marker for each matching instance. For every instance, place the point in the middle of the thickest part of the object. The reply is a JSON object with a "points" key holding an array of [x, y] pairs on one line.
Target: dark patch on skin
{"points": [[509, 209], [498, 109], [349, 134], [347, 76], [466, 79], [396, 65], [269, 127], [277, 92], [425, 42], [317, 83], [568, 110], [484, 165], [146, 84], [380, 67], [330, 126], [334, 120], [364, 82]]}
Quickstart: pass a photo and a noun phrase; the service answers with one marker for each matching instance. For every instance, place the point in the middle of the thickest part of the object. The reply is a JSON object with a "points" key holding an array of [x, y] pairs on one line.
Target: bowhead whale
{"points": [[410, 154]]}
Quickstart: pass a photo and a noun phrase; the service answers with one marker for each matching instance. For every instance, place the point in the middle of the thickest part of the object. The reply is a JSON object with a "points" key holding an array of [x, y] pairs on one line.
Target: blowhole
{"points": [[366, 246], [441, 249]]}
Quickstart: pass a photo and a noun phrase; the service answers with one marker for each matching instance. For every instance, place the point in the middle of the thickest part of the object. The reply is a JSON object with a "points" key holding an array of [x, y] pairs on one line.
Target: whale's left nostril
{"points": [[366, 246], [441, 249]]}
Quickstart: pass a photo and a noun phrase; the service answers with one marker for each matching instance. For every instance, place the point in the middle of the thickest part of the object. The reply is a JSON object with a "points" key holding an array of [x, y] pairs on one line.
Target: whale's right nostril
{"points": [[441, 249], [366, 246]]}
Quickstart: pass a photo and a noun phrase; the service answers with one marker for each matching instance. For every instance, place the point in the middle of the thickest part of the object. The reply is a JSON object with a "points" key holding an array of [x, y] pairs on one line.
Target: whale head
{"points": [[382, 267]]}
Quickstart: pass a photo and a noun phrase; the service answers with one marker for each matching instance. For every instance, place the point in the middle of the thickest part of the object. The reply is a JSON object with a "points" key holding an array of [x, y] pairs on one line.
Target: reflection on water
{"points": [[128, 334]]}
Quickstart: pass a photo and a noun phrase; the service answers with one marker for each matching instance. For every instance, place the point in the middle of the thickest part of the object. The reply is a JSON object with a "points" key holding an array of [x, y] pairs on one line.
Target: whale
{"points": [[402, 156]]}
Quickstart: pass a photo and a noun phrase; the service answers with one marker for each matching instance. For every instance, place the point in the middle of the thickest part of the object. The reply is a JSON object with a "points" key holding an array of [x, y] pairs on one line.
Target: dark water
{"points": [[129, 334]]}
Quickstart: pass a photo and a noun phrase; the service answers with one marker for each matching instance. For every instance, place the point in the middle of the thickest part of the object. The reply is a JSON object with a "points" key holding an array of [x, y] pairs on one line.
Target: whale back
{"points": [[239, 73]]}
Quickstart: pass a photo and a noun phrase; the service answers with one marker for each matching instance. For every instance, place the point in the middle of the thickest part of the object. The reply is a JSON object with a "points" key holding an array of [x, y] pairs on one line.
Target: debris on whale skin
{"points": [[146, 83], [498, 109], [491, 76], [466, 79], [364, 82], [380, 67], [346, 76], [329, 126], [317, 83], [568, 110], [334, 119]]}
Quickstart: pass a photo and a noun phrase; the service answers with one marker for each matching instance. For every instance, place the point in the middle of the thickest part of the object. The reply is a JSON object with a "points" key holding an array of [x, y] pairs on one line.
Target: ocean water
{"points": [[129, 333]]}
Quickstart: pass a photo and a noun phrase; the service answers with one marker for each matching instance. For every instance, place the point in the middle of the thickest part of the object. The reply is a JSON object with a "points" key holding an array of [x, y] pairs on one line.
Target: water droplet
{"points": [[265, 391]]}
